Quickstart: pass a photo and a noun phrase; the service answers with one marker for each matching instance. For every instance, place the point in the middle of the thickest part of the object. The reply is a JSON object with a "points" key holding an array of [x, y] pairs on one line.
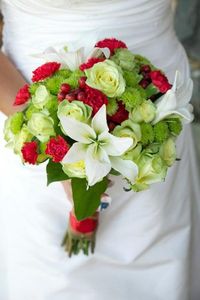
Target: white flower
{"points": [[176, 101], [98, 148], [73, 55]]}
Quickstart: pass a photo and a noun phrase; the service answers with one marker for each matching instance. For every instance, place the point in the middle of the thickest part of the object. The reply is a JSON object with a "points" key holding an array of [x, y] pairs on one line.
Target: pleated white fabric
{"points": [[144, 240]]}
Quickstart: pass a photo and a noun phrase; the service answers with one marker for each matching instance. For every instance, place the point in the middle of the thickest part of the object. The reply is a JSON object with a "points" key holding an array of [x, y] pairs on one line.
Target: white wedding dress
{"points": [[147, 243]]}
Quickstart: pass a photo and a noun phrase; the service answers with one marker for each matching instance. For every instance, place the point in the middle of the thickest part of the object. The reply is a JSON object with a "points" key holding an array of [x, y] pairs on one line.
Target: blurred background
{"points": [[187, 26]]}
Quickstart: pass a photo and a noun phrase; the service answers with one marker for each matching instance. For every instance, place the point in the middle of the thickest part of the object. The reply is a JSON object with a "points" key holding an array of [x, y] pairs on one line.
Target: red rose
{"points": [[121, 114], [112, 44], [57, 148], [45, 71], [22, 96], [160, 81], [29, 152], [90, 63]]}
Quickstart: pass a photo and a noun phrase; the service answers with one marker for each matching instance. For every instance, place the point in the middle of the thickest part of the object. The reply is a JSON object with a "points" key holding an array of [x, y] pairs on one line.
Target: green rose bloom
{"points": [[152, 169], [107, 77], [133, 154], [23, 136], [145, 112], [41, 97], [41, 126], [128, 129], [76, 109], [76, 169], [168, 152]]}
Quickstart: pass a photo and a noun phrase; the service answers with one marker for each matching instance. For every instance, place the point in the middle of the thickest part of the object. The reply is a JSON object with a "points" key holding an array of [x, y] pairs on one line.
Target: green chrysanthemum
{"points": [[33, 87], [65, 73], [53, 84], [72, 80], [175, 126], [132, 78], [147, 133], [52, 104], [124, 58], [16, 122], [132, 97], [161, 131], [112, 106]]}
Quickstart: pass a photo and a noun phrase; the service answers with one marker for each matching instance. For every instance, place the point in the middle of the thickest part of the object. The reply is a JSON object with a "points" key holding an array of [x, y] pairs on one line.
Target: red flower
{"points": [[121, 114], [160, 81], [22, 96], [94, 98], [29, 152], [57, 148], [112, 44], [90, 63], [45, 71]]}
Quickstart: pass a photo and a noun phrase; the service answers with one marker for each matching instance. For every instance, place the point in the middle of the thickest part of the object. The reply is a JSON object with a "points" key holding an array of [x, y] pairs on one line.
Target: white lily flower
{"points": [[176, 101], [73, 55], [99, 149]]}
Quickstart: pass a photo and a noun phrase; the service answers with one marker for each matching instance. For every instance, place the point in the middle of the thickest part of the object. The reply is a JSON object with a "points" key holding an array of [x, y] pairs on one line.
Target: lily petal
{"points": [[76, 153], [115, 146], [76, 130], [126, 167], [97, 52], [97, 164], [99, 121]]}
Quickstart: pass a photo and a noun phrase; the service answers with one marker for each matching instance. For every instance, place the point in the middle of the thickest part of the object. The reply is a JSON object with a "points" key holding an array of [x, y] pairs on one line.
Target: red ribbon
{"points": [[88, 225]]}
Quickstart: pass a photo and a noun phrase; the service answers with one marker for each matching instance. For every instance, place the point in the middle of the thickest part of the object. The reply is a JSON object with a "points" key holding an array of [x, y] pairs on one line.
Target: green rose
{"points": [[23, 136], [152, 169], [133, 154], [76, 109], [76, 169], [8, 133], [128, 129], [168, 152], [41, 97], [144, 113], [107, 77], [41, 126]]}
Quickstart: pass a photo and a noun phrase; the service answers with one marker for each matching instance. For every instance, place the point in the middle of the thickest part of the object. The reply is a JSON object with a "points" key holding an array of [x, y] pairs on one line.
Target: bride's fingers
{"points": [[68, 189]]}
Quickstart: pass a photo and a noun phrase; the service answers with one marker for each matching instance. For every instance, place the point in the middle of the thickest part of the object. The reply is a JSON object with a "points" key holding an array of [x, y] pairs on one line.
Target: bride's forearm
{"points": [[10, 82]]}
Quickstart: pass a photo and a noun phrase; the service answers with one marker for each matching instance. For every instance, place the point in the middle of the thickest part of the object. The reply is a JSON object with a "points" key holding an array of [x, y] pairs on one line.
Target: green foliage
{"points": [[175, 126], [33, 87], [16, 122], [112, 106], [161, 131], [87, 199], [55, 172], [147, 133], [132, 97], [151, 90], [132, 78]]}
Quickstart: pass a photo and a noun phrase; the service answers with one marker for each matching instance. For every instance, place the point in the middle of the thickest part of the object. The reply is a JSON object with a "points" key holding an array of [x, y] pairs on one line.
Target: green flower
{"points": [[124, 58], [23, 136], [76, 169], [16, 122], [144, 112], [132, 78], [107, 77], [128, 129], [31, 110], [73, 79], [112, 106], [132, 97], [76, 109], [41, 126], [161, 131], [147, 133], [152, 169], [168, 152], [41, 97], [133, 154], [53, 84], [175, 126]]}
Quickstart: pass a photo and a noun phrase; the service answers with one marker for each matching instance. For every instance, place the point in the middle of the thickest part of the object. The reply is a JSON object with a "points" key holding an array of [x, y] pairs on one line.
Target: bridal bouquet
{"points": [[92, 114]]}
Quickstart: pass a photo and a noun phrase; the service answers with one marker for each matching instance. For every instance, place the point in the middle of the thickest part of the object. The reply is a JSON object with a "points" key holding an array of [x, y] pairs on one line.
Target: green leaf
{"points": [[86, 201], [55, 172], [151, 90]]}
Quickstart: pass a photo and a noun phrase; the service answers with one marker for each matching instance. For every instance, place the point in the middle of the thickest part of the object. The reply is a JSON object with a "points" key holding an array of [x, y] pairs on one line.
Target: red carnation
{"points": [[112, 44], [57, 148], [121, 114], [90, 63], [29, 152], [45, 71], [160, 81], [22, 96], [94, 98]]}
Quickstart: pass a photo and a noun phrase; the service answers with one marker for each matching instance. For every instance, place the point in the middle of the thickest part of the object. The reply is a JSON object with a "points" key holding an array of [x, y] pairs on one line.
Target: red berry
{"points": [[111, 126], [82, 81], [145, 68], [70, 97], [61, 96], [81, 96], [65, 88], [144, 83]]}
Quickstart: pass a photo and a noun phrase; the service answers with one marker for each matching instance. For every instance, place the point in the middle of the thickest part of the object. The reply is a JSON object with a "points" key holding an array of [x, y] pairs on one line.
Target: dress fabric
{"points": [[147, 244]]}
